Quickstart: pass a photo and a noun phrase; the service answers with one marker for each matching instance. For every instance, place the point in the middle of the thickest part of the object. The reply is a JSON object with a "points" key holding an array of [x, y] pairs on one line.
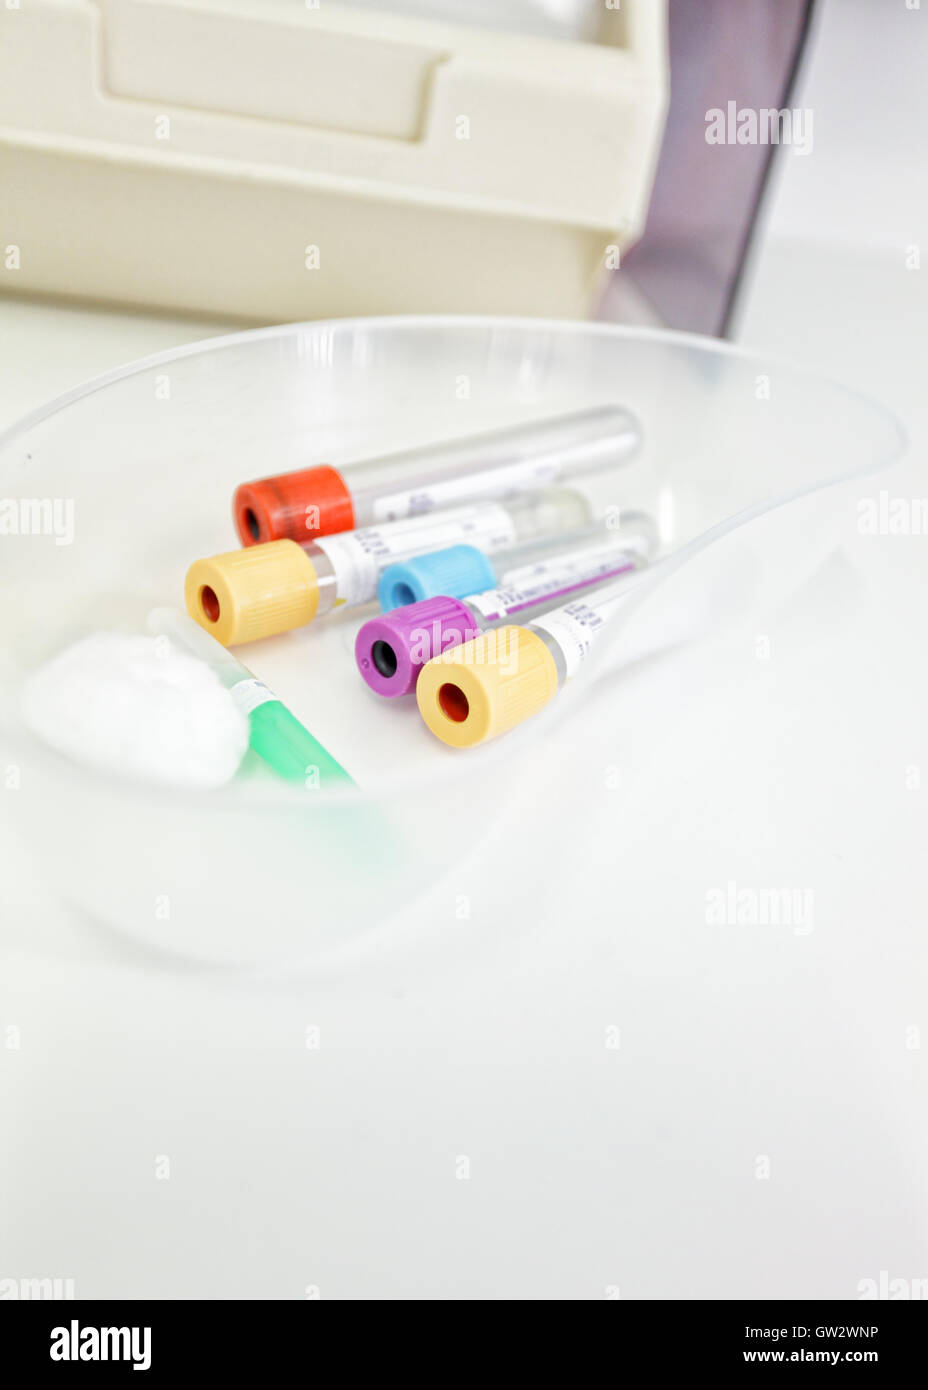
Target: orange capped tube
{"points": [[320, 501]]}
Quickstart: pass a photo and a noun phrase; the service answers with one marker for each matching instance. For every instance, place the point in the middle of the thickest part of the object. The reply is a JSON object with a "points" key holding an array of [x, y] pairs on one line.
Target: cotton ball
{"points": [[138, 706]]}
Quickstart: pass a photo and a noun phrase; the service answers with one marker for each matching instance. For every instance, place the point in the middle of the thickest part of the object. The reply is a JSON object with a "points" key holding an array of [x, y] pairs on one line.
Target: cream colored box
{"points": [[279, 161]]}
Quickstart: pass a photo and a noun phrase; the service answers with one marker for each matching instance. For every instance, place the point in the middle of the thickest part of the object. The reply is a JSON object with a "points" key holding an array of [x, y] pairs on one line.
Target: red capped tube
{"points": [[528, 457], [293, 506]]}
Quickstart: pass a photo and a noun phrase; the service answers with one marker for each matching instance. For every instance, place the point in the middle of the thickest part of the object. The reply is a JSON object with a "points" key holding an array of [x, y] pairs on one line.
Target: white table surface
{"points": [[761, 1129]]}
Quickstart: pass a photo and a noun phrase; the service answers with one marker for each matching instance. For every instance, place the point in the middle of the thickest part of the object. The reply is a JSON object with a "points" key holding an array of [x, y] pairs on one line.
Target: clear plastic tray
{"points": [[150, 455]]}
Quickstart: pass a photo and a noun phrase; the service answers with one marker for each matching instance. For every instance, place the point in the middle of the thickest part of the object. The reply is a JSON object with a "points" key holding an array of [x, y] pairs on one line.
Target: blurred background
{"points": [[291, 160]]}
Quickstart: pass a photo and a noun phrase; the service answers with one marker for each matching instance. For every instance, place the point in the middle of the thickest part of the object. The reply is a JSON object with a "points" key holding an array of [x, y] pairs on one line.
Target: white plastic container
{"points": [[278, 160], [260, 868]]}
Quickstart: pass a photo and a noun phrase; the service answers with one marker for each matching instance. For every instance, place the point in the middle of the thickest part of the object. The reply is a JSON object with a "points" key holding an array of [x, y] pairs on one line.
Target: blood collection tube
{"points": [[392, 648], [271, 588], [491, 683], [523, 458]]}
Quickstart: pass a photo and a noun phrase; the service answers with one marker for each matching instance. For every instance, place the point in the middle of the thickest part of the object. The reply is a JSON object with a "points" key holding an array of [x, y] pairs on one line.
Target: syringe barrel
{"points": [[499, 464], [193, 638]]}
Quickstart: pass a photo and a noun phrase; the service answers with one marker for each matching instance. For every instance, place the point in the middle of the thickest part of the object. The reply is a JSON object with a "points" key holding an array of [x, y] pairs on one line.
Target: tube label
{"points": [[554, 580], [249, 694], [358, 556], [591, 558], [574, 628], [524, 476]]}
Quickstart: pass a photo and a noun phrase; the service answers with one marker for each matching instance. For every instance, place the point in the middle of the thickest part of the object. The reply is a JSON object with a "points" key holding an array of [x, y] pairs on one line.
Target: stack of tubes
{"points": [[492, 576]]}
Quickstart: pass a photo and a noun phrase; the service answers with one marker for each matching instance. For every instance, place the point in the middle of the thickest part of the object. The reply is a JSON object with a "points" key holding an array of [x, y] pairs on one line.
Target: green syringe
{"points": [[277, 736]]}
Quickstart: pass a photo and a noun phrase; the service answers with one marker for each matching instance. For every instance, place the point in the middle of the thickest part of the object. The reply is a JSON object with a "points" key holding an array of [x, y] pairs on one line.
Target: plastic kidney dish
{"points": [[151, 455]]}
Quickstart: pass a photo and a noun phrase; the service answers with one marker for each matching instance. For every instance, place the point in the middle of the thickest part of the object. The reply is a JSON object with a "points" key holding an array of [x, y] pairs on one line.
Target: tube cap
{"points": [[289, 748], [293, 506], [455, 572], [247, 594], [392, 650], [486, 686]]}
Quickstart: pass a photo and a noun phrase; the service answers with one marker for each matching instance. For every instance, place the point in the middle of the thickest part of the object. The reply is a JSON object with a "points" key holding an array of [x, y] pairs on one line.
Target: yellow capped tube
{"points": [[247, 594], [485, 687], [273, 587]]}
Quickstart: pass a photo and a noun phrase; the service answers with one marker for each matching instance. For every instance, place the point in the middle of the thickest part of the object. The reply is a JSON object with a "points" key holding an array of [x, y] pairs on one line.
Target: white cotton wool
{"points": [[137, 706]]}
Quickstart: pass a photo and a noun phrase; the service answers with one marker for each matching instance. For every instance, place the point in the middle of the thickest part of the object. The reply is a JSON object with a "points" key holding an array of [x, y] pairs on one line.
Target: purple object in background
{"points": [[688, 263]]}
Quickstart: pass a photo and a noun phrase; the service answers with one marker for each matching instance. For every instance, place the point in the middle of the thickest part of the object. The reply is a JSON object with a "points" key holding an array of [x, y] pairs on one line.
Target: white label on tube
{"points": [[249, 694], [575, 627], [525, 475], [551, 580], [586, 559], [359, 556]]}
